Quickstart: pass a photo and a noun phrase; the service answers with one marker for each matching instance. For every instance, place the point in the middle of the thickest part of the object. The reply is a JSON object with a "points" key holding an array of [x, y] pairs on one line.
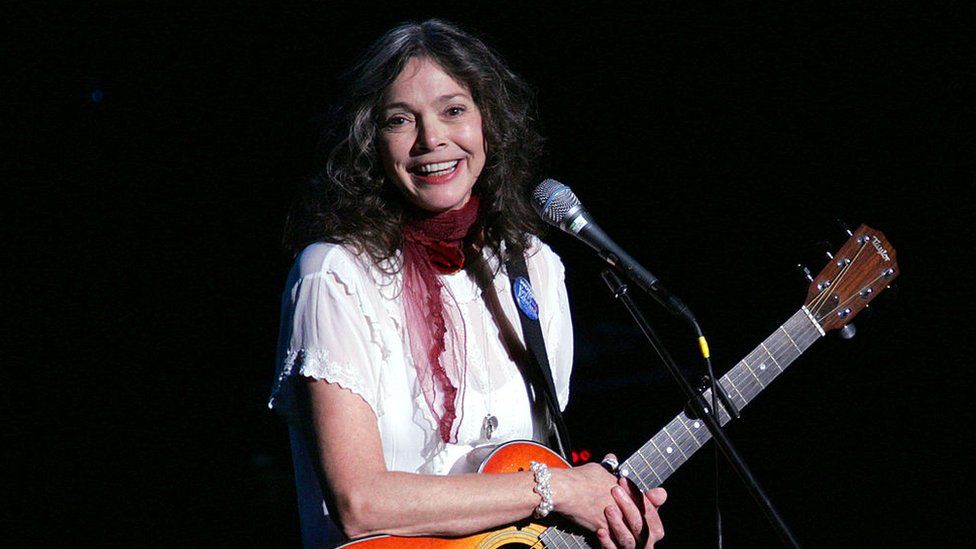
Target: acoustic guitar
{"points": [[858, 272]]}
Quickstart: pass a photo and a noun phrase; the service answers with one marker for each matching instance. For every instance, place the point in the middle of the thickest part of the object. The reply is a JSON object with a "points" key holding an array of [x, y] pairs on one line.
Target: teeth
{"points": [[436, 167]]}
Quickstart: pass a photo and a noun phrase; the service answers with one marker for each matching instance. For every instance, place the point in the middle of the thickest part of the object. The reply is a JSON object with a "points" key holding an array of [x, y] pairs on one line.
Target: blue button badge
{"points": [[525, 298]]}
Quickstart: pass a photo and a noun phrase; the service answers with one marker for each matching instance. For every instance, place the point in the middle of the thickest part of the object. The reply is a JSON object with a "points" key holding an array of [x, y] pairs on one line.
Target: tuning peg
{"points": [[848, 331], [888, 297], [844, 227], [822, 248], [804, 271]]}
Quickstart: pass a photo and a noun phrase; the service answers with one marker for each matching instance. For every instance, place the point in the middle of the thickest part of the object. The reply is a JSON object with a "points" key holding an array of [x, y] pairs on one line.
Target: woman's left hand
{"points": [[633, 522]]}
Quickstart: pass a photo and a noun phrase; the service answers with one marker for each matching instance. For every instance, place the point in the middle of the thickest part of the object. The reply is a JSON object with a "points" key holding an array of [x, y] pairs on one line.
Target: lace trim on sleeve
{"points": [[316, 362]]}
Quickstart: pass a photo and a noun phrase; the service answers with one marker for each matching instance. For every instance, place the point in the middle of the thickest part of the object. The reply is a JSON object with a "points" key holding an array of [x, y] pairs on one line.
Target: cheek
{"points": [[389, 154], [474, 140]]}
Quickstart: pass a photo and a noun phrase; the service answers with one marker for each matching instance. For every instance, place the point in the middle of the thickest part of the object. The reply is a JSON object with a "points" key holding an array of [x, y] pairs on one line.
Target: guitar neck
{"points": [[683, 436]]}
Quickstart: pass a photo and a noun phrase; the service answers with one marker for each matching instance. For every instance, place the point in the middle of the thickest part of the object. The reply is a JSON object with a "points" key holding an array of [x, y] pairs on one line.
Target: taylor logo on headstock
{"points": [[881, 251]]}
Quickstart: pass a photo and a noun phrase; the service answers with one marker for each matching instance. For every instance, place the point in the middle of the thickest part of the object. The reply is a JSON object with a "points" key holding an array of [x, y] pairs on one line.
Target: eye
{"points": [[455, 110], [396, 121]]}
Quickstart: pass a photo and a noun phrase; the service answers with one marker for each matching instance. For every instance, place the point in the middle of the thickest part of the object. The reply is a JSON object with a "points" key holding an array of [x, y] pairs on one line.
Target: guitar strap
{"points": [[537, 358]]}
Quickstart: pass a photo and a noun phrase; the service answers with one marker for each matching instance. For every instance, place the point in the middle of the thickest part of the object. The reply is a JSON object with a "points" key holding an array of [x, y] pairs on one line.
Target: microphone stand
{"points": [[701, 409]]}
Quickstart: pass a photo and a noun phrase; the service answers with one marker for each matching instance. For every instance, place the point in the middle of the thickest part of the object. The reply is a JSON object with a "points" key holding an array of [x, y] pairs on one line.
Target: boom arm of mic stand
{"points": [[620, 291]]}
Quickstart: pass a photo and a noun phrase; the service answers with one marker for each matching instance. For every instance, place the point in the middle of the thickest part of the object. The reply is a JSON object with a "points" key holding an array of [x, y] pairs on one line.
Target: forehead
{"points": [[423, 80]]}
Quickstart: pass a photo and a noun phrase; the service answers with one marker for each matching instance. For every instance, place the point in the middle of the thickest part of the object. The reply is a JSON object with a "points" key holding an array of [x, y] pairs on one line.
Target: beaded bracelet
{"points": [[542, 475]]}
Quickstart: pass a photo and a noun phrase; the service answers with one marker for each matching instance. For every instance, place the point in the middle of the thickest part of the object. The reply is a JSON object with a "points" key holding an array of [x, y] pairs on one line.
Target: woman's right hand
{"points": [[600, 502]]}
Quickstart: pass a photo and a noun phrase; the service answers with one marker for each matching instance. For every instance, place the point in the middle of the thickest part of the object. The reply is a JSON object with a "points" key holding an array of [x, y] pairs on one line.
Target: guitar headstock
{"points": [[858, 272]]}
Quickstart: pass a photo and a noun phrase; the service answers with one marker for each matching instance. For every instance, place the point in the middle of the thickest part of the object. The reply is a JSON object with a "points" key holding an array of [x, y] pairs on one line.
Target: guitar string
{"points": [[852, 297], [850, 263], [684, 438], [815, 302], [685, 435], [739, 379], [681, 439], [579, 541], [846, 268], [744, 381]]}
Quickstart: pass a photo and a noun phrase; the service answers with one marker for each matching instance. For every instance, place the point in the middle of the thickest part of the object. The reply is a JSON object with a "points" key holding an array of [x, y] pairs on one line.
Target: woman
{"points": [[397, 353]]}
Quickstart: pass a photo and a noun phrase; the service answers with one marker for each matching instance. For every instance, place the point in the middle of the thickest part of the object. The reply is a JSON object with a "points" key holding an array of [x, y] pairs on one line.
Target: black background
{"points": [[154, 150]]}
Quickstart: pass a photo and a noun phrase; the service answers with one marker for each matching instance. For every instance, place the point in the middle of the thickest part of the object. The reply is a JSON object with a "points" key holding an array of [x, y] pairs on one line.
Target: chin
{"points": [[442, 203]]}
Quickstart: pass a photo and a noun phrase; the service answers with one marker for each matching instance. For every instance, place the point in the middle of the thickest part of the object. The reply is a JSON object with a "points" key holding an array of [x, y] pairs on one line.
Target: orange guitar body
{"points": [[510, 457]]}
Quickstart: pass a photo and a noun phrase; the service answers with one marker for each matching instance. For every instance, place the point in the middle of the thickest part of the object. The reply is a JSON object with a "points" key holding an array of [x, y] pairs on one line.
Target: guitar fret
{"points": [[734, 388], [666, 431], [813, 321], [750, 382], [770, 355], [723, 416], [810, 337], [735, 396], [663, 456], [742, 383], [692, 433], [696, 429], [650, 468], [790, 338], [759, 381], [746, 385], [638, 471], [554, 537], [563, 541]]}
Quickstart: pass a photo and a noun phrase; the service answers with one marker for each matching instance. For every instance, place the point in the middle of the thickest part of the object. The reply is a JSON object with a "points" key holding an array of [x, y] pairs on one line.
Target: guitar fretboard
{"points": [[683, 436]]}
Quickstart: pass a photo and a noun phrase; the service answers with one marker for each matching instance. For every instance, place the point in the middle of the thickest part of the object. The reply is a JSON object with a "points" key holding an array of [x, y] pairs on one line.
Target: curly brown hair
{"points": [[350, 199]]}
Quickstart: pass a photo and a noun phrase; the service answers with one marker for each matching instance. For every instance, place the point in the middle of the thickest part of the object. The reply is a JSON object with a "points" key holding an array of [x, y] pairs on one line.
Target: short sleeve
{"points": [[329, 328]]}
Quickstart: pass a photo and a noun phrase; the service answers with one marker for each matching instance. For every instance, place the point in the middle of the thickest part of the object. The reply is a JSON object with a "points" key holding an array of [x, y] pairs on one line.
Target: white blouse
{"points": [[343, 322]]}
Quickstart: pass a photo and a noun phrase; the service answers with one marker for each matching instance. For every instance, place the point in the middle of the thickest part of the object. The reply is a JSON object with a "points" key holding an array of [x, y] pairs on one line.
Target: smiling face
{"points": [[431, 140]]}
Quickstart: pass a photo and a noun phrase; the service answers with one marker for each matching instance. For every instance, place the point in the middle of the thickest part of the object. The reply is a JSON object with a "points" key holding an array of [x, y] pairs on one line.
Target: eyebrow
{"points": [[442, 99]]}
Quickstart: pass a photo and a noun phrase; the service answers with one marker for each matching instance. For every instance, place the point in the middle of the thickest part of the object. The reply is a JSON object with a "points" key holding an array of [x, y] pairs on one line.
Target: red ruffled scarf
{"points": [[434, 244]]}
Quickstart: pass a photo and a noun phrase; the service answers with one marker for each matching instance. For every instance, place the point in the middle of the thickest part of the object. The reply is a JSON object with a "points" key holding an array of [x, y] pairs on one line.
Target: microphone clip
{"points": [[723, 397]]}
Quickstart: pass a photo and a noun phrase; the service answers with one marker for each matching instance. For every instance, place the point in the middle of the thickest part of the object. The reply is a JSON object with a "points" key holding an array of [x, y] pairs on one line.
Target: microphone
{"points": [[557, 205]]}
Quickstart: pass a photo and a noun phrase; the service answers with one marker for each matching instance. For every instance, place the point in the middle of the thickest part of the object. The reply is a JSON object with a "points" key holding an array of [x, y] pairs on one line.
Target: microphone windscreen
{"points": [[553, 200]]}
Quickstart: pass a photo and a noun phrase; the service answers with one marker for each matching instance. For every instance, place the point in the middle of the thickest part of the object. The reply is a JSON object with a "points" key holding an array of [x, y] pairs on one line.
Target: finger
{"points": [[657, 496], [603, 536], [630, 488], [655, 528], [633, 515], [619, 531]]}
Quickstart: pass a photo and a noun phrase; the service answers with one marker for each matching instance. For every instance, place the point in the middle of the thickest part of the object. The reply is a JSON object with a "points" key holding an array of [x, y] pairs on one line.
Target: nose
{"points": [[430, 135]]}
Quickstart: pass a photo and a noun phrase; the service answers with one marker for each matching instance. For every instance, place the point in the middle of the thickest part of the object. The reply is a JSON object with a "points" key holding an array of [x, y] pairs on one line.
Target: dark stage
{"points": [[156, 148]]}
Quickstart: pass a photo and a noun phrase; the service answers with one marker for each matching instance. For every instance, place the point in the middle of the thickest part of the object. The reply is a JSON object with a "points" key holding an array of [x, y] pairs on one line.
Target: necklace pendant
{"points": [[489, 425]]}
